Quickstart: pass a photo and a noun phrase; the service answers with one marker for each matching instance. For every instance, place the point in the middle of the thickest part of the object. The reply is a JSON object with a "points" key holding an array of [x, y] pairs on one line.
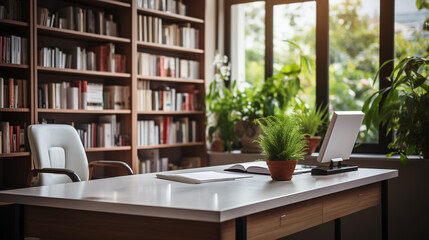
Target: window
{"points": [[248, 43], [296, 22], [349, 40], [410, 37], [354, 47]]}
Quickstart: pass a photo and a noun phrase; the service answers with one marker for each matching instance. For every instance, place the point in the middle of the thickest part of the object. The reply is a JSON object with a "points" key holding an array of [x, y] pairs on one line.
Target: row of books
{"points": [[152, 29], [171, 6], [11, 9], [166, 130], [163, 66], [83, 95], [12, 137], [106, 133], [79, 19], [150, 161], [13, 49], [100, 58], [13, 93], [168, 99]]}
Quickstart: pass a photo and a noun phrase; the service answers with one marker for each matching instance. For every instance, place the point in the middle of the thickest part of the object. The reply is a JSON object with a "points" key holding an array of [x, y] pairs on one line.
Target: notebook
{"points": [[200, 177]]}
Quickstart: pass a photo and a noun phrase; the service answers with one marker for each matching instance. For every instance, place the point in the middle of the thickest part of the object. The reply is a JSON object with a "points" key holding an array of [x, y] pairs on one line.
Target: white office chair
{"points": [[59, 155]]}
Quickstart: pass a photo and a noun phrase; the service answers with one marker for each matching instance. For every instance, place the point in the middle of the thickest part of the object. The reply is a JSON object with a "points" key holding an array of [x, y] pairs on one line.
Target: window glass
{"points": [[248, 43], [411, 38], [296, 22], [354, 55]]}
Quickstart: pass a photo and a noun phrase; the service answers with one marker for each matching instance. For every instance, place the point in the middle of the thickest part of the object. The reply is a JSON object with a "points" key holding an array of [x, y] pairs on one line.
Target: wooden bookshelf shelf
{"points": [[13, 23], [83, 72], [58, 32], [170, 79], [170, 16], [170, 112], [169, 48], [110, 149], [172, 145], [10, 65], [71, 111], [23, 110], [16, 154], [111, 4]]}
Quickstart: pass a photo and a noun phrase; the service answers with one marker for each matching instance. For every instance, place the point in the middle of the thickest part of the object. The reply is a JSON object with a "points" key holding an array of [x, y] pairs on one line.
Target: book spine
{"points": [[11, 93], [1, 92]]}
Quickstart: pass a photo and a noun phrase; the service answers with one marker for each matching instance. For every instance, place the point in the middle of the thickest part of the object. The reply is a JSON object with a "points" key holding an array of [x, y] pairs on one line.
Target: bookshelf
{"points": [[171, 52], [15, 164], [79, 40], [49, 69]]}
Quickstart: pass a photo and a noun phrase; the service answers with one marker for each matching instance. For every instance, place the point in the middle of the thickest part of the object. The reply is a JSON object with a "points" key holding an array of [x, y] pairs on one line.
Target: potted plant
{"points": [[403, 107], [310, 121], [236, 109], [283, 144], [220, 108], [273, 97]]}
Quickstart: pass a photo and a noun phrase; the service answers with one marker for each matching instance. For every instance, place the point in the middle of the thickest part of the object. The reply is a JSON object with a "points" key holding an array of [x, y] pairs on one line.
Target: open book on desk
{"points": [[200, 177], [262, 168]]}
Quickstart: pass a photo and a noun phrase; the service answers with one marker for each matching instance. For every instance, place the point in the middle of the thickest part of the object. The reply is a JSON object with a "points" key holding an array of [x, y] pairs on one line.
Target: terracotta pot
{"points": [[247, 132], [312, 143], [282, 170], [216, 146]]}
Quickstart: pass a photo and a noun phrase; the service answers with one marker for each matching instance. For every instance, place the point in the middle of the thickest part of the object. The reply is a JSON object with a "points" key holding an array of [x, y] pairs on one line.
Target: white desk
{"points": [[130, 206]]}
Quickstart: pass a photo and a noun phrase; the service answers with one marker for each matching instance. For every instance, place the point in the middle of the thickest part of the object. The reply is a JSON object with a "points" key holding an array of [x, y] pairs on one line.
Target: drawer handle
{"points": [[283, 216]]}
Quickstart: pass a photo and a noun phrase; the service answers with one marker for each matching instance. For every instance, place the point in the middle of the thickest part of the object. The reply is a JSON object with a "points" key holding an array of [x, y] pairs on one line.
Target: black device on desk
{"points": [[338, 142]]}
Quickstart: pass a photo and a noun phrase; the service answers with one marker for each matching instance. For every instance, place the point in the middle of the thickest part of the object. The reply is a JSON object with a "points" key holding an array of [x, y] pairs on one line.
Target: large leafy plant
{"points": [[228, 104], [403, 107], [282, 138]]}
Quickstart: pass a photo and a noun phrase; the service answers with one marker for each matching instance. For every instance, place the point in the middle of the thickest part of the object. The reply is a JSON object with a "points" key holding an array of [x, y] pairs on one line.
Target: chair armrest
{"points": [[108, 163], [71, 174]]}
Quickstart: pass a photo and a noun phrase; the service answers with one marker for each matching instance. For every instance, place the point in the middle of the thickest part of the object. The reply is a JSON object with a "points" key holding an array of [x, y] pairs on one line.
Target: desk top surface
{"points": [[146, 195]]}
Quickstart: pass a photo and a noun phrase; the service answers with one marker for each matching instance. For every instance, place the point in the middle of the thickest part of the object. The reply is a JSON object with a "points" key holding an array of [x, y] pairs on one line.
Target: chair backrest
{"points": [[57, 146]]}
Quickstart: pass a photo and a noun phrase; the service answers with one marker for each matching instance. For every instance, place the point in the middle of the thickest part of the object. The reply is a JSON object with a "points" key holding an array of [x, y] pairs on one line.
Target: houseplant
{"points": [[311, 120], [221, 108], [236, 109], [403, 107], [273, 97], [283, 144]]}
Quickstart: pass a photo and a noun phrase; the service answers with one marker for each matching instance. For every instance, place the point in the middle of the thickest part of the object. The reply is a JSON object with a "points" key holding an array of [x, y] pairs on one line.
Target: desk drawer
{"points": [[285, 220], [350, 201]]}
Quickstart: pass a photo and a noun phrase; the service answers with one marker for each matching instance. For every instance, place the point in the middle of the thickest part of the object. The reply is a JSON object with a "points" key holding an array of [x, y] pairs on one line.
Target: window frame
{"points": [[386, 52]]}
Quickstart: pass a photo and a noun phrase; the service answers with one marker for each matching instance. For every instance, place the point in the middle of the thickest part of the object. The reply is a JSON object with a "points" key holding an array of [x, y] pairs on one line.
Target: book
{"points": [[150, 161], [200, 177], [261, 167], [2, 92], [4, 127]]}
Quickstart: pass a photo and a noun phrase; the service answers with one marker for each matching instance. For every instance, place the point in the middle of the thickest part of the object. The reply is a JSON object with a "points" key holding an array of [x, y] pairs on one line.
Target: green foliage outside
{"points": [[354, 60], [354, 56], [282, 138]]}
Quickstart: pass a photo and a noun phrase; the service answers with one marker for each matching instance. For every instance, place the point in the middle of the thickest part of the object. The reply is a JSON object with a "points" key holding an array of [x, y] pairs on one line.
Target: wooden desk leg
{"points": [[384, 210], [241, 228], [18, 221], [338, 229]]}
